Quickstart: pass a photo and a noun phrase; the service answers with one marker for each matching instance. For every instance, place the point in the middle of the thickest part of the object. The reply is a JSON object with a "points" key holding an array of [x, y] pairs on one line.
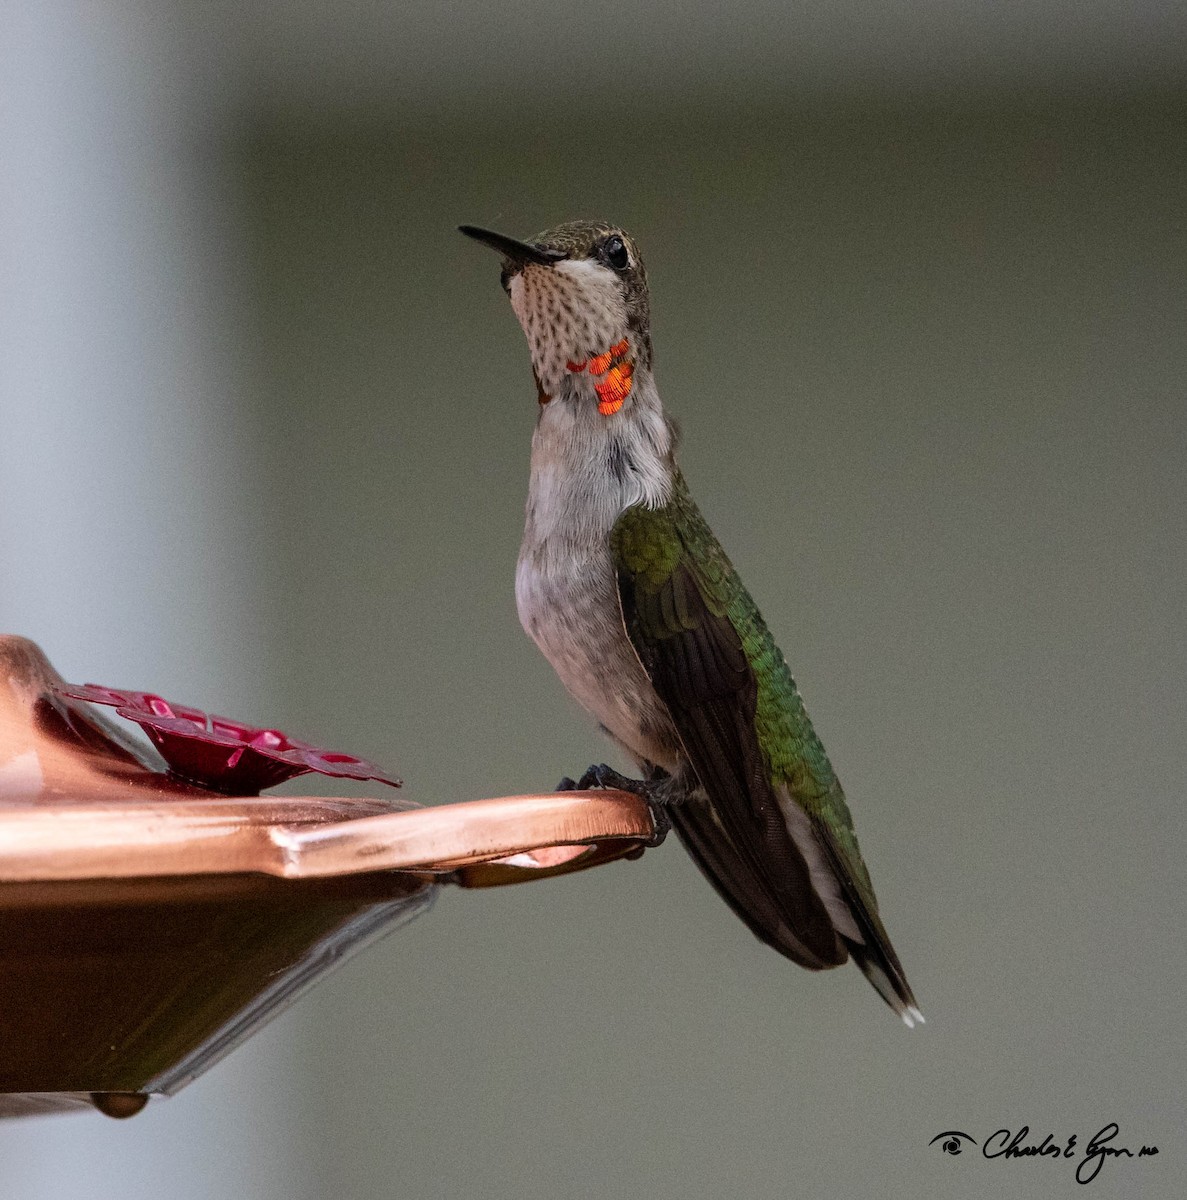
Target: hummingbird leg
{"points": [[656, 790]]}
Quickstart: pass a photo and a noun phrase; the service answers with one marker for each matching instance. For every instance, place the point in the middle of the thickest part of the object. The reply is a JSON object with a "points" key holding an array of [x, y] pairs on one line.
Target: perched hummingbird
{"points": [[624, 588]]}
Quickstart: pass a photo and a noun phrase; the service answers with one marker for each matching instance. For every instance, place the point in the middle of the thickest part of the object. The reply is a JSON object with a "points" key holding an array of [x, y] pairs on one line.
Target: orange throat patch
{"points": [[612, 374]]}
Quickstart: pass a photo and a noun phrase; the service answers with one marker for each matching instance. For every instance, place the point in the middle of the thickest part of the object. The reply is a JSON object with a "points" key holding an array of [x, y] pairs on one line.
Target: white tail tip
{"points": [[912, 1017]]}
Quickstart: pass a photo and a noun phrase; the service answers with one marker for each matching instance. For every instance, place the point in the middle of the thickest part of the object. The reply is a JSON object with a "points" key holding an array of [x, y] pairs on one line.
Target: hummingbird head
{"points": [[580, 293]]}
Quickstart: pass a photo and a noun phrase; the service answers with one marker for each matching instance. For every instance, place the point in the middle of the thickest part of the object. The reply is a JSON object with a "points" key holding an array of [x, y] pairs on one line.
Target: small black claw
{"points": [[602, 776], [566, 785], [661, 821], [592, 778], [651, 790]]}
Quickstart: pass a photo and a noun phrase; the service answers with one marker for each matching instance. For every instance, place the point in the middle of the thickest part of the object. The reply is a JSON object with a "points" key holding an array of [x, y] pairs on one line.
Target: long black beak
{"points": [[519, 253]]}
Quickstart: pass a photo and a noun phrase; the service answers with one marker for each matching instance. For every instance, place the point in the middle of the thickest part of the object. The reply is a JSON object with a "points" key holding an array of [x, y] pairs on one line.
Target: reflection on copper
{"points": [[148, 926]]}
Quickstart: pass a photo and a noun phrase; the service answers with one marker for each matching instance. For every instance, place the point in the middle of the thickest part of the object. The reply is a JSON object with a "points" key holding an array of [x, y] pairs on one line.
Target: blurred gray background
{"points": [[918, 276]]}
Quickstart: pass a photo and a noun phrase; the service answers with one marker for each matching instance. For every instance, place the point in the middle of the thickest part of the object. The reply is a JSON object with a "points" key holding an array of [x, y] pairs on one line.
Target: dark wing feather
{"points": [[697, 664], [734, 879]]}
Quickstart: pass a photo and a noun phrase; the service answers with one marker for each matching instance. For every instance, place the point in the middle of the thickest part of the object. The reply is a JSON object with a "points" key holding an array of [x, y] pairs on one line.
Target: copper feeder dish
{"points": [[148, 925]]}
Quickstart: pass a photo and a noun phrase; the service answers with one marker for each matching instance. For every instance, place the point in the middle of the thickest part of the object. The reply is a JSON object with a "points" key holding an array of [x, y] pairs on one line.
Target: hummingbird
{"points": [[624, 588]]}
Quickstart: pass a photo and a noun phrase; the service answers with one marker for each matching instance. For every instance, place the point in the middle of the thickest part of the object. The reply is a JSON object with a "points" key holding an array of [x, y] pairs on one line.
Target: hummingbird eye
{"points": [[615, 253]]}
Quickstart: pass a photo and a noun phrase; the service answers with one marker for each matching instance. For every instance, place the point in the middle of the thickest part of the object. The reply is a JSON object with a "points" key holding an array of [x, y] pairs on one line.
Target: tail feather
{"points": [[889, 982], [873, 952]]}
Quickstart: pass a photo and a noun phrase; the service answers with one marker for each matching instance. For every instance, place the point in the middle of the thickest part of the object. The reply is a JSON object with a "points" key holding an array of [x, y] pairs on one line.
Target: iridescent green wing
{"points": [[676, 609], [797, 762], [735, 704]]}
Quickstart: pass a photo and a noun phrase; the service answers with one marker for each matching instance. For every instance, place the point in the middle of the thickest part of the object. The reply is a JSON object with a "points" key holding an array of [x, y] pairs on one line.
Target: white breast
{"points": [[572, 614], [566, 588]]}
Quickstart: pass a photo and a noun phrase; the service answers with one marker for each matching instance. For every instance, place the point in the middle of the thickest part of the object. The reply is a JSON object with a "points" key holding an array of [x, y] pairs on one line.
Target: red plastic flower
{"points": [[225, 756]]}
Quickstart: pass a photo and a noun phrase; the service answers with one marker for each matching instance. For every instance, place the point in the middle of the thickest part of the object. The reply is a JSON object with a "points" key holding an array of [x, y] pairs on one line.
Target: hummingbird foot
{"points": [[656, 791]]}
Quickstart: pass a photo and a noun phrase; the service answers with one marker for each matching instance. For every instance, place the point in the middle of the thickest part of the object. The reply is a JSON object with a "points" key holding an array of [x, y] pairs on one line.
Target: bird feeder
{"points": [[153, 915]]}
